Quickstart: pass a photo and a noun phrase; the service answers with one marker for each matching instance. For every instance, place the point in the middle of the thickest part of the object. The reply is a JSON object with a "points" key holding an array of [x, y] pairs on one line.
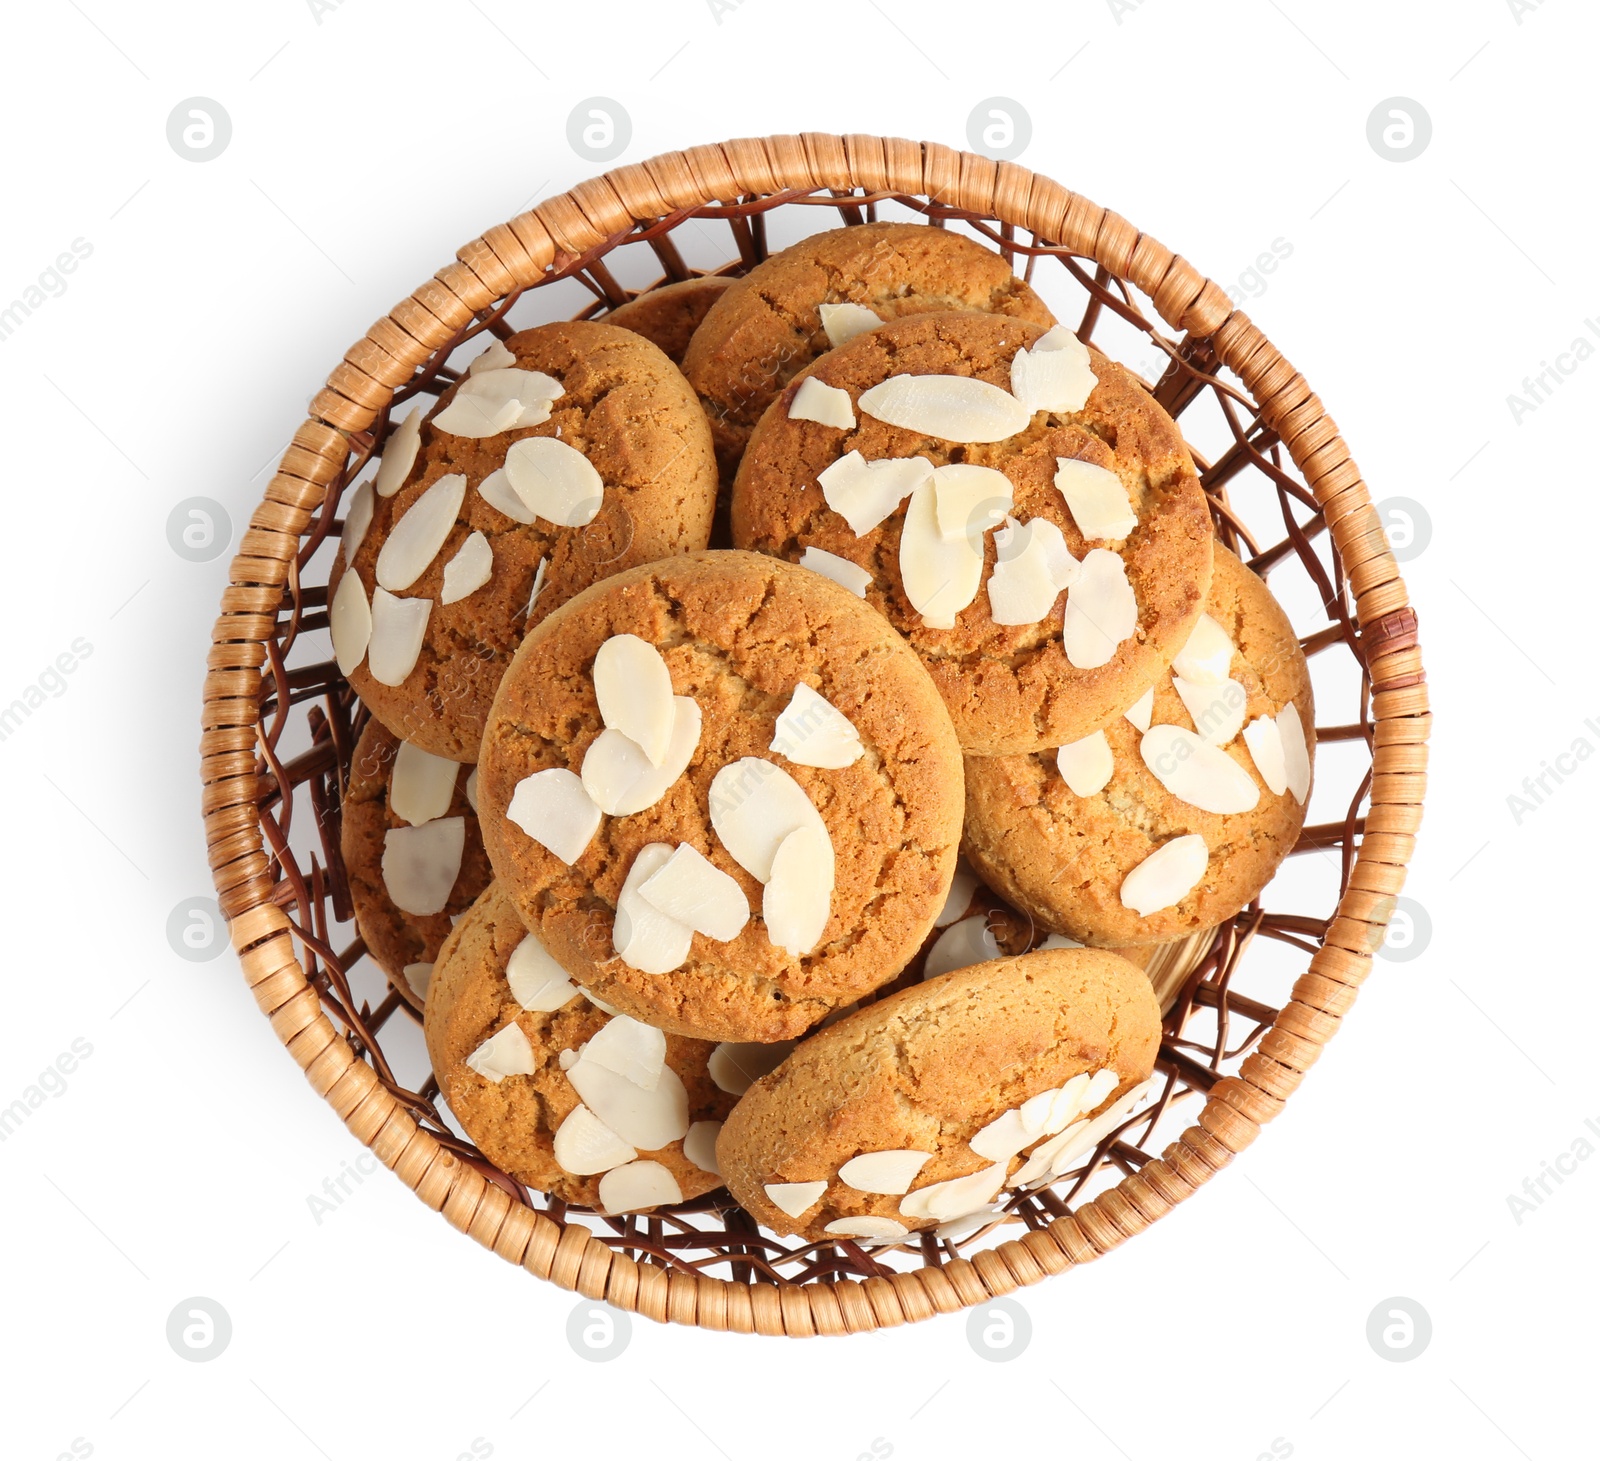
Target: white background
{"points": [[367, 145]]}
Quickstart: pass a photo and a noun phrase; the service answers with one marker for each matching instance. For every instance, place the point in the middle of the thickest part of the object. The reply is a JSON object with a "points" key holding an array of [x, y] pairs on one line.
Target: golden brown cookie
{"points": [[626, 410], [769, 327], [984, 1074], [744, 640], [519, 1121], [668, 315], [1065, 858], [375, 839], [1010, 687]]}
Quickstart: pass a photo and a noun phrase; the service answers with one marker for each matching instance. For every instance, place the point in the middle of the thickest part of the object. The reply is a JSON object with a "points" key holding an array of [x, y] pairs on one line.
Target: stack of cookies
{"points": [[780, 767]]}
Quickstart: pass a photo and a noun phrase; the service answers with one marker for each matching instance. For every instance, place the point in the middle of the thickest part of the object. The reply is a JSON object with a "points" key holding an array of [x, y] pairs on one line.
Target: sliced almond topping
{"points": [[1059, 941], [811, 732], [469, 570], [471, 788], [962, 886], [950, 407], [700, 1146], [585, 1145], [890, 1172], [1296, 758], [940, 577], [399, 454], [1086, 765], [1264, 741], [794, 1198], [1101, 610], [1207, 654], [1032, 566], [645, 938], [599, 1004], [844, 321], [1035, 1112], [841, 570], [971, 941], [397, 629], [638, 1186], [968, 500], [826, 405], [418, 977], [618, 774], [946, 1201], [567, 1059], [631, 1048], [555, 481], [634, 688], [538, 585], [506, 1052], [974, 1222], [537, 982], [1138, 714], [1197, 773], [692, 889], [357, 519], [1097, 499], [1056, 375], [1003, 1137], [866, 1226], [350, 622], [1167, 876], [1067, 1103], [1217, 710], [553, 808], [755, 804], [1057, 1157], [864, 493], [415, 540], [496, 490], [1101, 1084], [481, 416], [799, 895], [737, 1065], [496, 357], [422, 785], [421, 864], [645, 1119]]}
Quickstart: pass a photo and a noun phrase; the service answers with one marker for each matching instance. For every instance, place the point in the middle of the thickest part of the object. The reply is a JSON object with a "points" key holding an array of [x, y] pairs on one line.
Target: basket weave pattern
{"points": [[280, 913]]}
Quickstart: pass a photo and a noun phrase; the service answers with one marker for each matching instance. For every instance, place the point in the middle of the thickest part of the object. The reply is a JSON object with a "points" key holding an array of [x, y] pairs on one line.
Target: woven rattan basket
{"points": [[279, 725]]}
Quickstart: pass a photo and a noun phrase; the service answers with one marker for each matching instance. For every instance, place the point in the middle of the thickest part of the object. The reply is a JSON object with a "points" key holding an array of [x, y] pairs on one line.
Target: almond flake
{"points": [[418, 977], [416, 539], [645, 938], [1101, 611], [812, 732], [1217, 710], [794, 1198], [493, 400], [1138, 714], [1055, 375], [349, 622], [1067, 1103], [890, 1172], [1097, 499], [841, 570], [1101, 1084], [496, 357], [963, 944], [538, 984], [866, 1226], [357, 519], [962, 886], [700, 1146], [1057, 1157], [692, 889], [1167, 876], [864, 493], [553, 808], [968, 500], [1035, 1112], [950, 407], [599, 1004], [826, 405], [946, 1201], [631, 1048], [397, 629], [469, 570], [1264, 740], [618, 774], [755, 804], [421, 864], [471, 789], [940, 577], [480, 416], [538, 585], [1032, 566], [555, 481], [1003, 1137], [844, 321], [1059, 941], [567, 1059], [585, 1145], [1207, 654], [422, 785], [1296, 759], [506, 1052], [1195, 772], [1086, 765], [962, 1228], [399, 454], [799, 895], [634, 688], [736, 1065], [496, 490], [637, 1186], [648, 1120]]}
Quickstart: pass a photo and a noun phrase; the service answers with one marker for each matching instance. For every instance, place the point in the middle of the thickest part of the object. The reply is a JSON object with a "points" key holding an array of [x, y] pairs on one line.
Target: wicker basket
{"points": [[279, 725]]}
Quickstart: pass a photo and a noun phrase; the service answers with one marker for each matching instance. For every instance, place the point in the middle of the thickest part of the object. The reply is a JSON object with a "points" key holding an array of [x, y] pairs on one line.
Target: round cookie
{"points": [[925, 1072], [768, 328], [738, 633], [1010, 688], [1063, 858], [628, 410], [669, 314], [405, 945], [514, 1121]]}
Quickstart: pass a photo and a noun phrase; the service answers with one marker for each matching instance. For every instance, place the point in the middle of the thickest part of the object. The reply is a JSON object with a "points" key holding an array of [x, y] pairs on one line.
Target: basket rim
{"points": [[551, 237]]}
